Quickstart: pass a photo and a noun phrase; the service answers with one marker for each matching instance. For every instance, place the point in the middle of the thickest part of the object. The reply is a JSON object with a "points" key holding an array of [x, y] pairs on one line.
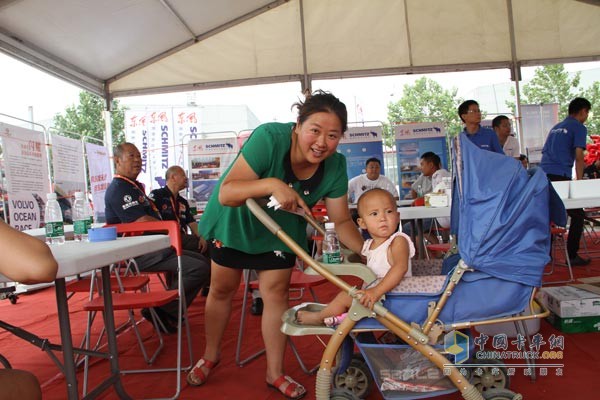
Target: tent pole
{"points": [[108, 127], [515, 72]]}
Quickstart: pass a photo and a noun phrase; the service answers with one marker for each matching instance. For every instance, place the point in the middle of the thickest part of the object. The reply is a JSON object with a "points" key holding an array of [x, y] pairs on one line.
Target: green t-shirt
{"points": [[265, 152]]}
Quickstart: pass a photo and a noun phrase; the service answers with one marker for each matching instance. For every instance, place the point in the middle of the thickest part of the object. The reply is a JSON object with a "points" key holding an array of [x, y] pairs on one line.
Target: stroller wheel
{"points": [[356, 379], [342, 394], [491, 374], [501, 394]]}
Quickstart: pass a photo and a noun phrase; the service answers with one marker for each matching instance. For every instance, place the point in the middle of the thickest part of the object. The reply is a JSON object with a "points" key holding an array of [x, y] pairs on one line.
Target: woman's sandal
{"points": [[291, 387], [196, 376]]}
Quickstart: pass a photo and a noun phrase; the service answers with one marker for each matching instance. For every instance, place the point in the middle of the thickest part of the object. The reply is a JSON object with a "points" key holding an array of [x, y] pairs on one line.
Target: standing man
{"points": [[173, 207], [126, 201], [484, 138], [371, 180], [564, 146], [510, 144]]}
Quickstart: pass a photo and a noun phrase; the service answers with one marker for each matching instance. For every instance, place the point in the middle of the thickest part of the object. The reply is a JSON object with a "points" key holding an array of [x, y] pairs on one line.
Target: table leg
{"points": [[67, 340], [420, 239], [111, 336]]}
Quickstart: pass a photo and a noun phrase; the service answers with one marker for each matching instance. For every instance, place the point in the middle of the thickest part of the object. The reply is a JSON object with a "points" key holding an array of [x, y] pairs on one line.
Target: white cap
{"points": [[79, 195], [51, 196], [329, 225]]}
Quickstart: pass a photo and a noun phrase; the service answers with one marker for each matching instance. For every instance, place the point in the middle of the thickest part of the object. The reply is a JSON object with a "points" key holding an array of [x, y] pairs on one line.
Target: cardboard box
{"points": [[590, 284], [584, 188], [436, 200], [570, 301], [575, 324], [562, 188]]}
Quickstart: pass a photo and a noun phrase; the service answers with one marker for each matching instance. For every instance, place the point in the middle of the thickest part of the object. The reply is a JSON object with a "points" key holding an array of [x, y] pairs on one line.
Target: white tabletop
{"points": [[40, 233], [78, 257], [582, 203], [423, 212]]}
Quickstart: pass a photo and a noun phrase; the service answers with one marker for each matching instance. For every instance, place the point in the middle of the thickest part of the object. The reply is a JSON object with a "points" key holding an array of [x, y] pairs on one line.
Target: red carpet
{"points": [[37, 312]]}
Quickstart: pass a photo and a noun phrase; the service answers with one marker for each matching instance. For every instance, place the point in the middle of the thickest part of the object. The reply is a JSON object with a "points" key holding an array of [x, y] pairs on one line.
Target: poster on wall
{"points": [[100, 177], [26, 171], [209, 158], [186, 127], [358, 145], [536, 122], [413, 140], [67, 166]]}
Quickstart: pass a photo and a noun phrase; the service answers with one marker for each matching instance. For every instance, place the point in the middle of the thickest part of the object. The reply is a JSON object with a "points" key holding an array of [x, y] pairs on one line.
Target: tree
{"points": [[425, 101], [593, 95], [86, 118], [550, 84]]}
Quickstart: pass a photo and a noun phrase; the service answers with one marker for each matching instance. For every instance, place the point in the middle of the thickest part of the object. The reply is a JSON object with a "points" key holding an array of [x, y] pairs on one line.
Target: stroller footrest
{"points": [[292, 327]]}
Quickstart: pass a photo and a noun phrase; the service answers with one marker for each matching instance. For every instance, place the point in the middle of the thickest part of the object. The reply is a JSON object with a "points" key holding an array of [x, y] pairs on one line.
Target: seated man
{"points": [[126, 201], [431, 176], [173, 207], [371, 180]]}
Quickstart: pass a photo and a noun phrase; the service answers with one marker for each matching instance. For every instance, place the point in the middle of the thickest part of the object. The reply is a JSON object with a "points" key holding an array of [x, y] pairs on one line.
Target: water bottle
{"points": [[80, 218], [193, 206], [89, 213], [331, 245], [55, 230]]}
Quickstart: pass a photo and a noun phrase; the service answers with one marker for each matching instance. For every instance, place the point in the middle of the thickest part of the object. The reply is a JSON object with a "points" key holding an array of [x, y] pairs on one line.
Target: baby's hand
{"points": [[369, 298]]}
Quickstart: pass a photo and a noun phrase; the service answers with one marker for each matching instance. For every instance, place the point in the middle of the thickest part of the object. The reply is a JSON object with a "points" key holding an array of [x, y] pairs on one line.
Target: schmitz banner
{"points": [[26, 164], [412, 141], [100, 176], [209, 158], [358, 145]]}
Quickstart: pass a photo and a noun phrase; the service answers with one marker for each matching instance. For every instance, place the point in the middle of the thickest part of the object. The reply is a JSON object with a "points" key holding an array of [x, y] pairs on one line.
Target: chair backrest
{"points": [[418, 202], [138, 228]]}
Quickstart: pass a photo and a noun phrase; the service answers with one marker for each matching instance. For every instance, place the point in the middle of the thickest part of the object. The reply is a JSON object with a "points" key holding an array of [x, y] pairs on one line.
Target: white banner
{"points": [[67, 166], [186, 127], [420, 130], [100, 176], [26, 164], [209, 158], [363, 134]]}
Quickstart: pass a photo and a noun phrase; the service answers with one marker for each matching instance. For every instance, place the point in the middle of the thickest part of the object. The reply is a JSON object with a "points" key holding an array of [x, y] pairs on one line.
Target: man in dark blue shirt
{"points": [[126, 201], [173, 207], [564, 145], [484, 138]]}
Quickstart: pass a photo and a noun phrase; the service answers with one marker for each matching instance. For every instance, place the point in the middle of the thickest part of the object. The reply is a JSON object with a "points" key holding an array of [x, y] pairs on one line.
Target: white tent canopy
{"points": [[127, 47]]}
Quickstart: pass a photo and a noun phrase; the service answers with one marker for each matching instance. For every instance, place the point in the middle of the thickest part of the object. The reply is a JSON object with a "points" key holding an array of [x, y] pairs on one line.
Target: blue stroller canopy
{"points": [[502, 213]]}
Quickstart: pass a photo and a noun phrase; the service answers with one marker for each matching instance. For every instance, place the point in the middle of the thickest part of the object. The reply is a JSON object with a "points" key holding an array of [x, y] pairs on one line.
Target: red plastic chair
{"points": [[130, 301]]}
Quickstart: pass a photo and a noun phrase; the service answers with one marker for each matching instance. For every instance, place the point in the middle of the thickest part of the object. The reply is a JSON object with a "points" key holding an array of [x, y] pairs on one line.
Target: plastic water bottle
{"points": [[331, 245], [89, 213], [193, 206], [80, 218], [55, 230]]}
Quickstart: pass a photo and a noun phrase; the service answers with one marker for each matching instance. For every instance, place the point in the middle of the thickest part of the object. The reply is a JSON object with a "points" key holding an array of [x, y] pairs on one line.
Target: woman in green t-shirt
{"points": [[297, 163]]}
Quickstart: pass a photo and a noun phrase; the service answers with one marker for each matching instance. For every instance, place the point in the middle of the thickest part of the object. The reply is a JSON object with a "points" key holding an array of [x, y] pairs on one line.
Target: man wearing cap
{"points": [[126, 201]]}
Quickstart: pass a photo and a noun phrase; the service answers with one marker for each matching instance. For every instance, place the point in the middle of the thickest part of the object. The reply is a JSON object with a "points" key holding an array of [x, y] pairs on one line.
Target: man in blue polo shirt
{"points": [[173, 207], [564, 146], [484, 138]]}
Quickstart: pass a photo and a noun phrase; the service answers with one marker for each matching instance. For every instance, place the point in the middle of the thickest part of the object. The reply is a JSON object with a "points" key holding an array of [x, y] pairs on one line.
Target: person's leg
{"points": [[274, 286], [223, 286], [19, 385], [575, 231], [337, 306]]}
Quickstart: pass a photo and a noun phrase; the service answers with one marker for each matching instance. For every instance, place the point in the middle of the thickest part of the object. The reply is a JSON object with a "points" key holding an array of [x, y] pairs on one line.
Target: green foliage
{"points": [[86, 118], [550, 84], [593, 95], [425, 101]]}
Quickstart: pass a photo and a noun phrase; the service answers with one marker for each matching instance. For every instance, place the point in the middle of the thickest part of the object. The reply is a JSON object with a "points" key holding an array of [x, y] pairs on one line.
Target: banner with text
{"points": [[26, 170], [413, 140], [209, 158], [67, 166], [358, 145], [100, 177]]}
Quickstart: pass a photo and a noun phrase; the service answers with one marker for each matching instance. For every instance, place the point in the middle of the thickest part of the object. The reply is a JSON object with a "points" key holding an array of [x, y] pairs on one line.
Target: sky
{"points": [[22, 87]]}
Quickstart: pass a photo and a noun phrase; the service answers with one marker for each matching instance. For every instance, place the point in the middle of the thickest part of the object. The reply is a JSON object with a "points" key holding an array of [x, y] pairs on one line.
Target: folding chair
{"points": [[558, 240], [129, 301], [300, 282]]}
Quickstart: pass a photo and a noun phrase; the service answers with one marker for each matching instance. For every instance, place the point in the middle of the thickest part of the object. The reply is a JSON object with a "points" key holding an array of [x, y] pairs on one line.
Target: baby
{"points": [[388, 255]]}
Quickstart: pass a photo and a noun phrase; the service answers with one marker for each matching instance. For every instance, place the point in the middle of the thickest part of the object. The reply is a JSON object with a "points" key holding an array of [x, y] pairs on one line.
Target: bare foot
{"points": [[309, 318]]}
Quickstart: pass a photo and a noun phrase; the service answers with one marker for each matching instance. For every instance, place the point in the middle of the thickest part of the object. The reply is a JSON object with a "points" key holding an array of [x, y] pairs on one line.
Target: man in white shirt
{"points": [[370, 180], [503, 129]]}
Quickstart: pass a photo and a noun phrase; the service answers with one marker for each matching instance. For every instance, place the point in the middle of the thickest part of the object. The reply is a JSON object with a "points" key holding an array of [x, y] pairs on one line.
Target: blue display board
{"points": [[358, 145], [412, 141]]}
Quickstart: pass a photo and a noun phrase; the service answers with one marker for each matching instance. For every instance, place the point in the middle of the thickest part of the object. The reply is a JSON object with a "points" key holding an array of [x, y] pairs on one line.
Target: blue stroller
{"points": [[501, 215]]}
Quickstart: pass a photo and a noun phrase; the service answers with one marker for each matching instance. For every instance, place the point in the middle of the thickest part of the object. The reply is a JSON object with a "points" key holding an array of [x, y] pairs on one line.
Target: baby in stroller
{"points": [[388, 255]]}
